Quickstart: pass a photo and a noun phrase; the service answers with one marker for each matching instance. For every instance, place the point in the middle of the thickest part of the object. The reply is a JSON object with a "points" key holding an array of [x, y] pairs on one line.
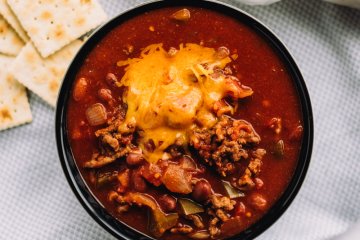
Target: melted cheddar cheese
{"points": [[167, 94]]}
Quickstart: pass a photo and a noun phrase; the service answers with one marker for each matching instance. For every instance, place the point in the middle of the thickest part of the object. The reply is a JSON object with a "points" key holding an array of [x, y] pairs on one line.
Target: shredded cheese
{"points": [[168, 94]]}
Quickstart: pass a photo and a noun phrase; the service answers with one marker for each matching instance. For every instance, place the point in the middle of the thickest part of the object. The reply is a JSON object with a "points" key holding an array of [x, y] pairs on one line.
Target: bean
{"points": [[182, 15], [167, 203], [105, 95], [137, 182], [202, 191], [111, 79], [80, 89], [134, 159]]}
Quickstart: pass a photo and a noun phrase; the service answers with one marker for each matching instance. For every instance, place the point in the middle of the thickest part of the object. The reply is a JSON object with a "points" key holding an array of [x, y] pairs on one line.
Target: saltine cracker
{"points": [[14, 105], [43, 76], [52, 24], [10, 42]]}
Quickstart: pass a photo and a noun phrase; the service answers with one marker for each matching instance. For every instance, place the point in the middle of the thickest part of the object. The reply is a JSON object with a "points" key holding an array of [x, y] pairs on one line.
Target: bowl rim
{"points": [[72, 173]]}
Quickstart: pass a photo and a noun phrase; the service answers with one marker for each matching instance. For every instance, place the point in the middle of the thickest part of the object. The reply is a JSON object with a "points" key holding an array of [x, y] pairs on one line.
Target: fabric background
{"points": [[37, 203]]}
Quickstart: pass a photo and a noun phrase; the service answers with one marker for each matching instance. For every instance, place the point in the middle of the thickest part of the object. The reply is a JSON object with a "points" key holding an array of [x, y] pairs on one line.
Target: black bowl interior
{"points": [[78, 185]]}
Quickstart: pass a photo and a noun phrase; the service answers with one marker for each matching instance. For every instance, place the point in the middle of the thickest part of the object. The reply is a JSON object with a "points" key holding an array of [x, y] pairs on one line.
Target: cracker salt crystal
{"points": [[52, 24], [9, 16], [14, 105], [43, 76], [10, 43]]}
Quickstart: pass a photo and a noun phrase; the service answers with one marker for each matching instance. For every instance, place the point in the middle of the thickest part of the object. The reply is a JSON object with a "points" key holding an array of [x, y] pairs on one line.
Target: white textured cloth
{"points": [[257, 2], [37, 203], [349, 3]]}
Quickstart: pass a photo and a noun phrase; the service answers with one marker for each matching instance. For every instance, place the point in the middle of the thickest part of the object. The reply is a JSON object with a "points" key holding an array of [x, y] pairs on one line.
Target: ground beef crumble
{"points": [[219, 211], [228, 142], [247, 180], [115, 141]]}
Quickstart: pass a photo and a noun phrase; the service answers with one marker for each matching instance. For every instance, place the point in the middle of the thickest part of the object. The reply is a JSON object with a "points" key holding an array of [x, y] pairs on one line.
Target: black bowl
{"points": [[78, 185]]}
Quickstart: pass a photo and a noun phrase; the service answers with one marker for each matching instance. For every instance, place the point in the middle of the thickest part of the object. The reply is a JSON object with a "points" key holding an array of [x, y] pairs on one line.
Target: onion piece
{"points": [[177, 179], [96, 114], [187, 163]]}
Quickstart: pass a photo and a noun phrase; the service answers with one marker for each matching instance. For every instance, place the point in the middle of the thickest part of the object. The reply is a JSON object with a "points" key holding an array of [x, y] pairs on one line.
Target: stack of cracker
{"points": [[38, 40]]}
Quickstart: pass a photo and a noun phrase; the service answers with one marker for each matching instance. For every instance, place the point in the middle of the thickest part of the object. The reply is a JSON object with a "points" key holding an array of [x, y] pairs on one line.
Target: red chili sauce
{"points": [[271, 113]]}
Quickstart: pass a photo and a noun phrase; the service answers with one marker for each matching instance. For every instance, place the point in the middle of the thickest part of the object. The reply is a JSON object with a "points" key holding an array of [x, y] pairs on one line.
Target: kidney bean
{"points": [[137, 182], [80, 89], [201, 191], [105, 94], [111, 79], [134, 159], [167, 203], [182, 15]]}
